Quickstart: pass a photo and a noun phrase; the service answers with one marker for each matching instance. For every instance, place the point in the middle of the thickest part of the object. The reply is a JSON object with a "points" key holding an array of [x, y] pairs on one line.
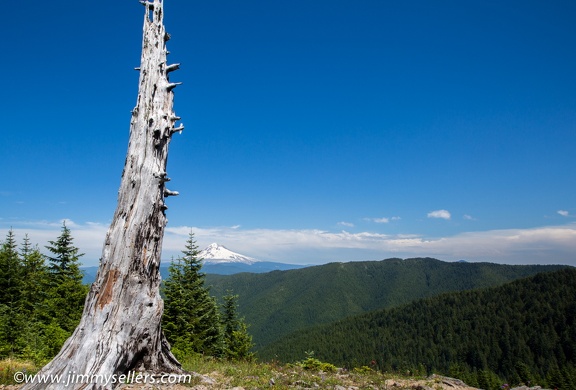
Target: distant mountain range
{"points": [[278, 303], [217, 260]]}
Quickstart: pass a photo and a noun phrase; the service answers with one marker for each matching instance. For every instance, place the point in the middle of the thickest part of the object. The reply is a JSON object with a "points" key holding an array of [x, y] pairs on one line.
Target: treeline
{"points": [[42, 299], [521, 332]]}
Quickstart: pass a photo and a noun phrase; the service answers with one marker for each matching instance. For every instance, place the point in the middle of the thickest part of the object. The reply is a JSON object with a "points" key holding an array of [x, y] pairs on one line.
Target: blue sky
{"points": [[316, 131]]}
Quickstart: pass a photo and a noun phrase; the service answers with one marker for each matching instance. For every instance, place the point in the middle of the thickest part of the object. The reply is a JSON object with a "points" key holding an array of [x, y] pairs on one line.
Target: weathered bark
{"points": [[120, 329]]}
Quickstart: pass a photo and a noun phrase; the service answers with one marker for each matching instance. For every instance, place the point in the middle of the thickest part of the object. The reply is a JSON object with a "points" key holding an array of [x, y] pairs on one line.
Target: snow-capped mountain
{"points": [[216, 254], [218, 260]]}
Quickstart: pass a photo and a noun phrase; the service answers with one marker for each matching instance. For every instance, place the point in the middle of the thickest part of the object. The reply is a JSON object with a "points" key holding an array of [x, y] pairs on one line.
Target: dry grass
{"points": [[8, 367], [217, 374]]}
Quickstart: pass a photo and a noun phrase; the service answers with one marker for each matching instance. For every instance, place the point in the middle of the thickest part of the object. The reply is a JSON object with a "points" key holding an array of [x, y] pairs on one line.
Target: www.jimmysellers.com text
{"points": [[73, 378]]}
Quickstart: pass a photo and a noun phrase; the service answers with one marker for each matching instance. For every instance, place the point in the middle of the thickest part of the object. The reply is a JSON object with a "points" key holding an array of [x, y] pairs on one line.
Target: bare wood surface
{"points": [[120, 329]]}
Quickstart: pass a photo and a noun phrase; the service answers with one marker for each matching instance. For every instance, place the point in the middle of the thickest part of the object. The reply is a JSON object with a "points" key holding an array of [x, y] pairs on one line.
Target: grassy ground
{"points": [[250, 375], [309, 374]]}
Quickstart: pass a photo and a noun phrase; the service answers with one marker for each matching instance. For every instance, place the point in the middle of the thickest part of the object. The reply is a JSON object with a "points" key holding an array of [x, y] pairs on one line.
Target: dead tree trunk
{"points": [[120, 329]]}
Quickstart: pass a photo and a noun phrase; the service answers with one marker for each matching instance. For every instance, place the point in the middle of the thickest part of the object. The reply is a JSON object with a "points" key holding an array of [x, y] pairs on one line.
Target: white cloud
{"points": [[88, 237], [347, 224], [563, 213], [546, 245], [553, 244], [443, 214], [468, 217]]}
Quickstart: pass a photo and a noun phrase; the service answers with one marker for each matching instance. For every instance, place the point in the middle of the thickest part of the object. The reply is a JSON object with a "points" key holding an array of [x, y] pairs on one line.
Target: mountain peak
{"points": [[216, 253]]}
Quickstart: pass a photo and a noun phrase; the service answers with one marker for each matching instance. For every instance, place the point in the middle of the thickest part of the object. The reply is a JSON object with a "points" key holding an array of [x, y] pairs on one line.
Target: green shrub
{"points": [[311, 363]]}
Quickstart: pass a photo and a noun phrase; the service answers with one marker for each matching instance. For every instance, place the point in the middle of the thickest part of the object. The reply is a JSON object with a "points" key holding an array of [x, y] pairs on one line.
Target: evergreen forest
{"points": [[192, 321], [280, 302], [521, 332], [42, 299]]}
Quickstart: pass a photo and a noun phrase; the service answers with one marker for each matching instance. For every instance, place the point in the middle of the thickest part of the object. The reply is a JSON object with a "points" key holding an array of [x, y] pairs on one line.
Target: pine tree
{"points": [[10, 286], [10, 271], [66, 293], [237, 340], [65, 263], [34, 279], [191, 320]]}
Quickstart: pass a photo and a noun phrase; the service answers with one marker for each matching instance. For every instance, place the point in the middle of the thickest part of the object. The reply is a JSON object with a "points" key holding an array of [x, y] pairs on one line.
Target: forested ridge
{"points": [[280, 302], [523, 331]]}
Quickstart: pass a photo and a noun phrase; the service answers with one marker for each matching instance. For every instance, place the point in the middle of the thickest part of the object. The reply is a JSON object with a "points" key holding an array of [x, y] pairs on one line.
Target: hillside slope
{"points": [[522, 331], [278, 303]]}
